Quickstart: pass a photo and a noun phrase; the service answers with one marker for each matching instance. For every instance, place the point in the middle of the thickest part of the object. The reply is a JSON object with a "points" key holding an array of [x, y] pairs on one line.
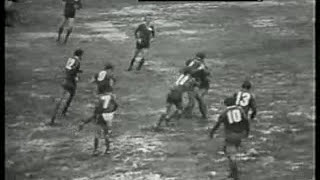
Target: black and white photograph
{"points": [[159, 90]]}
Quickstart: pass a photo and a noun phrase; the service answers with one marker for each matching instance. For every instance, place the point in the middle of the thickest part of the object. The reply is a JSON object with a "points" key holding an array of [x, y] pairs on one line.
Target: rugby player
{"points": [[236, 127], [102, 119], [246, 99], [70, 7], [105, 108], [200, 72], [69, 84], [144, 34], [174, 99]]}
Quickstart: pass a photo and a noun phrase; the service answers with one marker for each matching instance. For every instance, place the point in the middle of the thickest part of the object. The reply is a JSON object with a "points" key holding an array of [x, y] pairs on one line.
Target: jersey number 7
{"points": [[106, 100]]}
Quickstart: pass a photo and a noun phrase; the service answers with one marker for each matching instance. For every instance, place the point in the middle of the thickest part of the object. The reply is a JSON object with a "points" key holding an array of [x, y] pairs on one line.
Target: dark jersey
{"points": [[106, 104], [104, 82], [72, 4], [199, 71], [145, 33], [72, 68], [175, 94], [70, 7], [234, 120], [247, 101]]}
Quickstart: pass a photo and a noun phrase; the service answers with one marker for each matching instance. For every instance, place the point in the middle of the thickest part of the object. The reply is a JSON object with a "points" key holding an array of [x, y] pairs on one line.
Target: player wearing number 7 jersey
{"points": [[102, 119], [236, 127], [69, 84], [246, 99]]}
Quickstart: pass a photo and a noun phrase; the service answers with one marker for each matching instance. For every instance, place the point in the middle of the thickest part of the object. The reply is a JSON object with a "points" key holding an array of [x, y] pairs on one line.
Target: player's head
{"points": [[246, 85], [147, 18], [78, 52], [200, 55], [229, 101], [108, 66]]}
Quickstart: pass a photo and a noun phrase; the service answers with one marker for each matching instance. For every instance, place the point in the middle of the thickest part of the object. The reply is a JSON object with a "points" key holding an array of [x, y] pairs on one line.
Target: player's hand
{"points": [[139, 40], [77, 79]]}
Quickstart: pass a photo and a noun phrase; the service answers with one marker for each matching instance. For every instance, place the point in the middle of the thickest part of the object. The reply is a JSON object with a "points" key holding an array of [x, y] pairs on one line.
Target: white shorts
{"points": [[108, 117]]}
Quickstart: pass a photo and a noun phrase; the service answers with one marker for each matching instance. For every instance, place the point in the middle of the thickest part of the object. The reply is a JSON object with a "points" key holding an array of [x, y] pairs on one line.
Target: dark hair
{"points": [[108, 66], [78, 52], [201, 55], [229, 101], [246, 84]]}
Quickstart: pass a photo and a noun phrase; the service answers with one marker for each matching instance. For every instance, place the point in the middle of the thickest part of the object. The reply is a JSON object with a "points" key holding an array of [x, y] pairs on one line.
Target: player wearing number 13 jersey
{"points": [[246, 99], [236, 126]]}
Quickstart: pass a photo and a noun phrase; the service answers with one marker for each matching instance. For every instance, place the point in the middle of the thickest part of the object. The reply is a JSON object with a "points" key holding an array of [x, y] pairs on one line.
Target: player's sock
{"points": [[95, 146], [140, 64], [69, 31], [60, 31], [107, 143], [162, 117], [131, 63]]}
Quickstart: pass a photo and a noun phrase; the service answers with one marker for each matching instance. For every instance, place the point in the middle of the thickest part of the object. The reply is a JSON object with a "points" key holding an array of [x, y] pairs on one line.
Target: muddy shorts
{"points": [[234, 138], [143, 45], [69, 86], [175, 99]]}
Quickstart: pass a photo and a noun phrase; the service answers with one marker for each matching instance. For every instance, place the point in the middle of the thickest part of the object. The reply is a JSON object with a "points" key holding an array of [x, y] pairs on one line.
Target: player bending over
{"points": [[174, 106], [70, 7], [144, 34], [236, 127], [199, 71], [246, 99], [69, 85]]}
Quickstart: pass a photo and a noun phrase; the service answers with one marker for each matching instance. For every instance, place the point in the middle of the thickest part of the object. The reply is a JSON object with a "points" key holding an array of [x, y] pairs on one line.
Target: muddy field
{"points": [[270, 42]]}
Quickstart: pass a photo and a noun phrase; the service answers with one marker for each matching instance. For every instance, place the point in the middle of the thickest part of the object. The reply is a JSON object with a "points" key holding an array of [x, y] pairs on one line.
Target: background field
{"points": [[270, 42]]}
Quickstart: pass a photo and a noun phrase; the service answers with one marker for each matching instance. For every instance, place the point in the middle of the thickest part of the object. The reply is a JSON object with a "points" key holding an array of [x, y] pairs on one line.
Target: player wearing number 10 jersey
{"points": [[246, 99], [236, 126]]}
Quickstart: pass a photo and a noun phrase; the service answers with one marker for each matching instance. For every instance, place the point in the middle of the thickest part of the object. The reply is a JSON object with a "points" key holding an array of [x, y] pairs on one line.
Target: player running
{"points": [[200, 72], [69, 85], [175, 99], [70, 7], [246, 99], [104, 109], [144, 34], [236, 127]]}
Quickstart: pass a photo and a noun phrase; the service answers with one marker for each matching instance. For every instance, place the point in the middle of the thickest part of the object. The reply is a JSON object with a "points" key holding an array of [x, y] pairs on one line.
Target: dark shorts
{"points": [[204, 85], [69, 86], [234, 138], [143, 45], [69, 13], [175, 99]]}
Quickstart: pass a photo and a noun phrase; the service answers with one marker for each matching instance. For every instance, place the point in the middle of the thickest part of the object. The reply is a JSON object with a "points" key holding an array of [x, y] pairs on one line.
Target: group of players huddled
{"points": [[193, 81]]}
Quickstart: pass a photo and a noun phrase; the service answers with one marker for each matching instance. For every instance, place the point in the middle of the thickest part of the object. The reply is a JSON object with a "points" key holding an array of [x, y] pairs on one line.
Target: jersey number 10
{"points": [[234, 116]]}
